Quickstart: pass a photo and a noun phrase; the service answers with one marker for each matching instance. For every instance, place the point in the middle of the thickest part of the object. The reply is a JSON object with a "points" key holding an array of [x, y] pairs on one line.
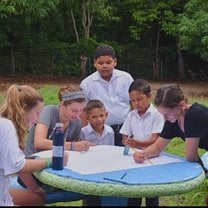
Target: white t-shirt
{"points": [[12, 159], [114, 94], [142, 127]]}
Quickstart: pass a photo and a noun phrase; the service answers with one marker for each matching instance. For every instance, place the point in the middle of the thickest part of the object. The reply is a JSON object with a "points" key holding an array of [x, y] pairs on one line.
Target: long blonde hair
{"points": [[19, 100]]}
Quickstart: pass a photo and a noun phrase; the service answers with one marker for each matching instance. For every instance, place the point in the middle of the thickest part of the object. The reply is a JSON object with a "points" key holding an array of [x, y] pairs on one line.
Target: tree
{"points": [[157, 16], [193, 28], [170, 24], [89, 9], [33, 7], [16, 19]]}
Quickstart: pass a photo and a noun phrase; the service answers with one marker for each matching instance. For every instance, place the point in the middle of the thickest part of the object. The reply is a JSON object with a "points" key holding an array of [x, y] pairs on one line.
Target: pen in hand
{"points": [[127, 148], [134, 149]]}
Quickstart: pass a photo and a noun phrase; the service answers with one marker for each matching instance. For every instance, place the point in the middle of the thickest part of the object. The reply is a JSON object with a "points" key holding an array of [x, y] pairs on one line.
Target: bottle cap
{"points": [[59, 125]]}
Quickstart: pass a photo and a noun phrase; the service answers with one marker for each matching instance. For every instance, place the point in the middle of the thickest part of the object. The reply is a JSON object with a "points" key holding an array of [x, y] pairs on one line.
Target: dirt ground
{"points": [[191, 88]]}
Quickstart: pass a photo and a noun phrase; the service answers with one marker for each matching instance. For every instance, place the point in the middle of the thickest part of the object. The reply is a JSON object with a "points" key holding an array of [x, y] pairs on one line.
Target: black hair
{"points": [[104, 50], [140, 85]]}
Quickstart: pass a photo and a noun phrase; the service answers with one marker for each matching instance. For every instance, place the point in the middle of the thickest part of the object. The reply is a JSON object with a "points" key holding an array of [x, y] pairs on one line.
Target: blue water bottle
{"points": [[58, 147]]}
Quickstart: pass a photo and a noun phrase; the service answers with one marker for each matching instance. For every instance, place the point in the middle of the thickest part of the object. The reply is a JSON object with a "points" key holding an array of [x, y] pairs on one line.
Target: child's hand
{"points": [[132, 143], [92, 144], [139, 156], [126, 139], [82, 145]]}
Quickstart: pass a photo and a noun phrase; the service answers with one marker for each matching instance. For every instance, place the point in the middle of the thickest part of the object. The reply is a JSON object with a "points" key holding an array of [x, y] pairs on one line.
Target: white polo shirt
{"points": [[142, 127], [107, 137]]}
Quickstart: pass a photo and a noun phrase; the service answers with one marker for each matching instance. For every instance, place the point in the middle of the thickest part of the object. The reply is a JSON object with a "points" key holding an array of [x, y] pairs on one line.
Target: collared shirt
{"points": [[114, 94], [142, 127], [107, 137]]}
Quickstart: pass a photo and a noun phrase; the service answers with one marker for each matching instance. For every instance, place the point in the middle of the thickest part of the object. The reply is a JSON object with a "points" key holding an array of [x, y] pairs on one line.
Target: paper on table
{"points": [[105, 158]]}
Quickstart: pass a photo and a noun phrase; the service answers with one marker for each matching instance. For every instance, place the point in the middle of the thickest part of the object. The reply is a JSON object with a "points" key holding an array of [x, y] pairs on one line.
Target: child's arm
{"points": [[136, 143]]}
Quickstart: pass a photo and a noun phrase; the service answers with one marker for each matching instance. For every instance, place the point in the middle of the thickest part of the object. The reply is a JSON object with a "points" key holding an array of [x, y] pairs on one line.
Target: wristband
{"points": [[48, 161]]}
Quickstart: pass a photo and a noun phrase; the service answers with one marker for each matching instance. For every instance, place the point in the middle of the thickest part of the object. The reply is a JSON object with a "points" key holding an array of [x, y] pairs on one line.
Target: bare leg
{"points": [[24, 197]]}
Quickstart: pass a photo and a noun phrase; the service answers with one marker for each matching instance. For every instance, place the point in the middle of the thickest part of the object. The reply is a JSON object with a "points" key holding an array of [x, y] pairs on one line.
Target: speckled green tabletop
{"points": [[117, 189]]}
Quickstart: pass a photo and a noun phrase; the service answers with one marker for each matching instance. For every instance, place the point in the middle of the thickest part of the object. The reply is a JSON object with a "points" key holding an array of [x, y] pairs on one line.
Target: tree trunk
{"points": [[156, 64], [83, 60], [86, 19], [74, 25], [181, 68], [12, 60]]}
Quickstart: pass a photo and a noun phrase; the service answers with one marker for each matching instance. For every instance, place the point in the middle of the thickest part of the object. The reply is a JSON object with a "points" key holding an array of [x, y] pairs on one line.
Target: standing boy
{"points": [[144, 122], [111, 86]]}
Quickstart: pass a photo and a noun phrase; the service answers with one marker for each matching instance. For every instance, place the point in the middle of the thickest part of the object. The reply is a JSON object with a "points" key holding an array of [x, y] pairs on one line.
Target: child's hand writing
{"points": [[139, 156], [82, 145]]}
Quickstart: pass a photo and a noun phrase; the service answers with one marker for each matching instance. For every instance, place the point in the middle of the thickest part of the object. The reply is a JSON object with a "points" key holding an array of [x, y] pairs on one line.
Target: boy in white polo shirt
{"points": [[142, 125], [97, 132]]}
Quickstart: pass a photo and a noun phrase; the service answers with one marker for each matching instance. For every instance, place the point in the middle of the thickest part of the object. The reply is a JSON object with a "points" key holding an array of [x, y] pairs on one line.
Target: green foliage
{"points": [[67, 56], [43, 34], [140, 63], [193, 28], [34, 7]]}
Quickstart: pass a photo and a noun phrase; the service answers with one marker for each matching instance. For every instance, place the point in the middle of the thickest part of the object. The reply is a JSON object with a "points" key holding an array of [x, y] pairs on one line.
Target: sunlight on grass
{"points": [[202, 101], [1, 97], [67, 204], [50, 94], [193, 198]]}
